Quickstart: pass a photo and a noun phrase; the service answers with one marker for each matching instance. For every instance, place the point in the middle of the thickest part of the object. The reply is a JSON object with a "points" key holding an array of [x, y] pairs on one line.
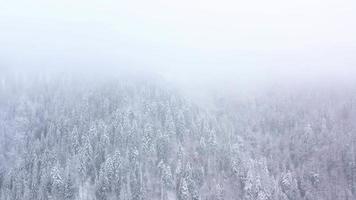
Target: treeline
{"points": [[135, 139]]}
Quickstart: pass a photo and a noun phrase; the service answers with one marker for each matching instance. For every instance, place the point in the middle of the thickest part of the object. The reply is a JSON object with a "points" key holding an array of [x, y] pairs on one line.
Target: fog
{"points": [[190, 42], [177, 100]]}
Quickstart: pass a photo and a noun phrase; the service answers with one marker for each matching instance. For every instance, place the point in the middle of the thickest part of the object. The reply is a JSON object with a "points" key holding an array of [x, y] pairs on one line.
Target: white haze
{"points": [[195, 43], [177, 100]]}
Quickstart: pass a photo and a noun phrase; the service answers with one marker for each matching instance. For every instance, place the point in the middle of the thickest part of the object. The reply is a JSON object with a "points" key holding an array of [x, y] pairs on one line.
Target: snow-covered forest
{"points": [[177, 99], [123, 138]]}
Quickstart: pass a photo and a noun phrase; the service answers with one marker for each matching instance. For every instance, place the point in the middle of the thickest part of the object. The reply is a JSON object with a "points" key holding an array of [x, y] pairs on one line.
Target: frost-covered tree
{"points": [[134, 139]]}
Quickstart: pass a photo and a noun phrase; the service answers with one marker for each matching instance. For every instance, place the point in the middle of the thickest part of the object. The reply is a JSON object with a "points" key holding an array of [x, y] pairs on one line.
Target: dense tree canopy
{"points": [[138, 139]]}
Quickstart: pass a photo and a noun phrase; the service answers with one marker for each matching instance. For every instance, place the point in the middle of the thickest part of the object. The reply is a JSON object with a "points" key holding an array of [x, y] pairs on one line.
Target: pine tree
{"points": [[183, 190], [58, 184]]}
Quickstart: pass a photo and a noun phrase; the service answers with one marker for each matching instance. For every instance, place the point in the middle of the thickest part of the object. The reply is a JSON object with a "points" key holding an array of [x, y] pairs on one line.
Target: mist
{"points": [[208, 43], [177, 100]]}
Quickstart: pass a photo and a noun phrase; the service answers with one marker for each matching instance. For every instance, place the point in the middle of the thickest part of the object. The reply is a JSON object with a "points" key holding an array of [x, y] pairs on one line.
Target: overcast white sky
{"points": [[190, 41]]}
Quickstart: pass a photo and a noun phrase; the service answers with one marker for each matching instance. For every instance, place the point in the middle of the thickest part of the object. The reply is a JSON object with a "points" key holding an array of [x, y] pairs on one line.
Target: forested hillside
{"points": [[137, 139]]}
